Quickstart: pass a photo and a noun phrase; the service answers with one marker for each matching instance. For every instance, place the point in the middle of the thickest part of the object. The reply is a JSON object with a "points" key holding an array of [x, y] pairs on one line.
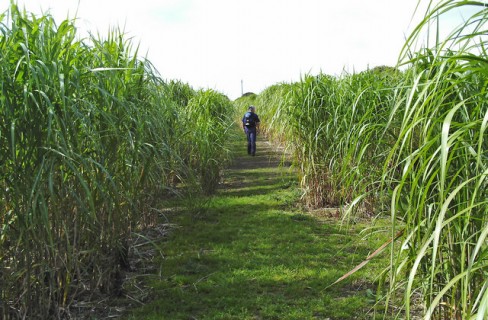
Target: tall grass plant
{"points": [[408, 141], [90, 139]]}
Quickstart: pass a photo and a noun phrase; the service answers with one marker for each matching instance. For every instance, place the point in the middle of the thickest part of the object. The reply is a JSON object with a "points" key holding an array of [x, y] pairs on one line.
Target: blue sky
{"points": [[219, 43]]}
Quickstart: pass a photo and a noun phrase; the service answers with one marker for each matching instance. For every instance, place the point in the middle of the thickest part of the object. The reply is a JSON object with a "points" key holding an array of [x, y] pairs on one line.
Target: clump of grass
{"points": [[409, 143], [208, 118], [334, 128], [90, 138], [440, 151]]}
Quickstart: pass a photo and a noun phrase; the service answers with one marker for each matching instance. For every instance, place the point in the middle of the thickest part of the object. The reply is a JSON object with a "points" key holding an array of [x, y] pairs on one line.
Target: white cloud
{"points": [[217, 43]]}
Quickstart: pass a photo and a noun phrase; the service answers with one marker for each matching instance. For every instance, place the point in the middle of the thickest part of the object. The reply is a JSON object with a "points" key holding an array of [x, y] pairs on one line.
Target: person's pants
{"points": [[251, 140]]}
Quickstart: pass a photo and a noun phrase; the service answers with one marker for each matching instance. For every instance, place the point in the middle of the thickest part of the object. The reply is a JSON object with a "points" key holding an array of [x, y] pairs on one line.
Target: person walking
{"points": [[250, 124]]}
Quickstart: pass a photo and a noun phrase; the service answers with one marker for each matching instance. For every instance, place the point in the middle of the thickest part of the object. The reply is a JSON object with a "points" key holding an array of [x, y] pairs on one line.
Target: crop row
{"points": [[91, 139], [410, 142]]}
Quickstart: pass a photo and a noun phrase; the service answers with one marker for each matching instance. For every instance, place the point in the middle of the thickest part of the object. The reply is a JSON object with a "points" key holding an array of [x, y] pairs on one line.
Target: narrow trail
{"points": [[247, 172], [266, 157], [254, 254]]}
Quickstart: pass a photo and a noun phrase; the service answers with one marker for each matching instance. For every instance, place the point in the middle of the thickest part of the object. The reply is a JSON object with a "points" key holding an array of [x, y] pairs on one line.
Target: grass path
{"points": [[254, 254]]}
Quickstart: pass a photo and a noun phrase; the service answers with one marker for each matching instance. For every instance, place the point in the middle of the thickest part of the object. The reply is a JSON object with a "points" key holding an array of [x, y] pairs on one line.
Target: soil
{"points": [[267, 156]]}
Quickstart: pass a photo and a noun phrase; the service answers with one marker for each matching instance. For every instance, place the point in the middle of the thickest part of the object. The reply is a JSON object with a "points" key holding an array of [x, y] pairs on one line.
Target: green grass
{"points": [[408, 141], [90, 137], [254, 254]]}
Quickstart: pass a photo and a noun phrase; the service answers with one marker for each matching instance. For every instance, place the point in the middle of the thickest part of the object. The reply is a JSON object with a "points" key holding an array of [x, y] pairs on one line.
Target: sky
{"points": [[239, 46]]}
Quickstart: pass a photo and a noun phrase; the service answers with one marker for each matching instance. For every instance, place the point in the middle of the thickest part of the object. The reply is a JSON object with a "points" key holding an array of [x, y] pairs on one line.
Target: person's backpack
{"points": [[249, 120]]}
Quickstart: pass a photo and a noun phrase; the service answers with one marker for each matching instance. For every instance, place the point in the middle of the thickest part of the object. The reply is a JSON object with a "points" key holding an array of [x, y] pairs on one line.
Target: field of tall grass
{"points": [[409, 141], [91, 138]]}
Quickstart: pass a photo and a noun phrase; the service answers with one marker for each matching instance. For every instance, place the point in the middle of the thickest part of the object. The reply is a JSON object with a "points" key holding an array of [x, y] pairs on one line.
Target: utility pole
{"points": [[242, 88]]}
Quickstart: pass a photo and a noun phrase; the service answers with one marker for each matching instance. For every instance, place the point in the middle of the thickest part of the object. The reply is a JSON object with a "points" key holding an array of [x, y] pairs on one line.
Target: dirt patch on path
{"points": [[267, 156], [245, 171]]}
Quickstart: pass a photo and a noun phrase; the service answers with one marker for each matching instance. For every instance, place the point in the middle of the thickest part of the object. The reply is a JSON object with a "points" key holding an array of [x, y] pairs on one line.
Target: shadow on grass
{"points": [[253, 255]]}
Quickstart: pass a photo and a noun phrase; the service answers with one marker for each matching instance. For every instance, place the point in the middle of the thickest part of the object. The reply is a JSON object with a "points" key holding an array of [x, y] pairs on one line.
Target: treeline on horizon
{"points": [[91, 140], [411, 144]]}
